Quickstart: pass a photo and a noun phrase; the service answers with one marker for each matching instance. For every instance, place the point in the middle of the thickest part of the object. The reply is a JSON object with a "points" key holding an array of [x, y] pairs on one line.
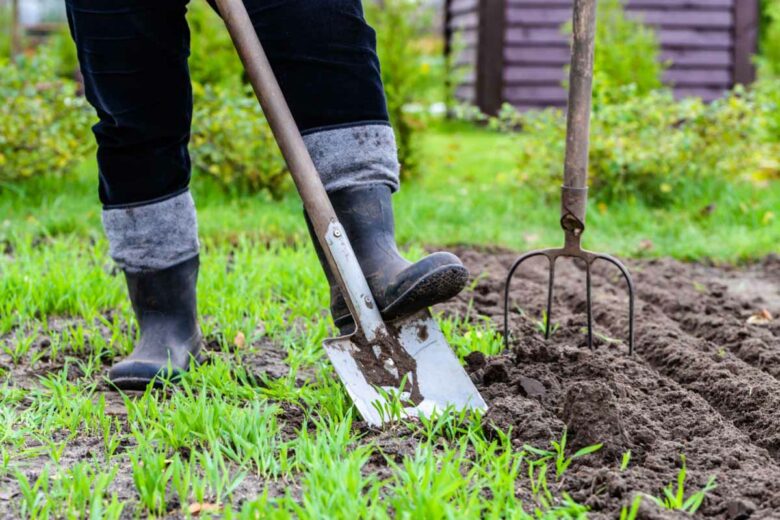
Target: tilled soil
{"points": [[703, 382]]}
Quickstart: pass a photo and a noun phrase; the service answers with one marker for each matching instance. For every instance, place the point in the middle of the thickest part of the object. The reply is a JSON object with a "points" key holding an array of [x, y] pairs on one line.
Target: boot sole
{"points": [[438, 286], [142, 383]]}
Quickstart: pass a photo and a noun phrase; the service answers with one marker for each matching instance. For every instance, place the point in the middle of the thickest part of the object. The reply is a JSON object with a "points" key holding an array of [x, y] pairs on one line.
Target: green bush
{"points": [[654, 149], [213, 59], [232, 142], [44, 125], [769, 46], [410, 69], [5, 30], [627, 53]]}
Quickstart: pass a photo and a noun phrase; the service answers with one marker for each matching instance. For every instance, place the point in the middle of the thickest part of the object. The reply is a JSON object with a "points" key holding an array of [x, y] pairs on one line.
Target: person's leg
{"points": [[133, 56], [324, 54]]}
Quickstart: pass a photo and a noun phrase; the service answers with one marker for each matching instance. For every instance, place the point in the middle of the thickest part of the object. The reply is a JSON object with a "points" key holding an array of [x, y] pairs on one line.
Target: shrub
{"points": [[63, 51], [44, 125], [627, 53], [214, 60], [769, 46], [657, 150], [408, 70], [232, 142]]}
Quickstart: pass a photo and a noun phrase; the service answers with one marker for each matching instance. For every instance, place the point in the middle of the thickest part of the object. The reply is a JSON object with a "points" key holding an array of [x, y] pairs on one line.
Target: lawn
{"points": [[264, 429]]}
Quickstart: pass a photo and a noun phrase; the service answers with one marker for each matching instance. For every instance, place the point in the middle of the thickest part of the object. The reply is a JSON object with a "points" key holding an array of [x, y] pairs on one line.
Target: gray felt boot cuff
{"points": [[355, 156], [154, 236]]}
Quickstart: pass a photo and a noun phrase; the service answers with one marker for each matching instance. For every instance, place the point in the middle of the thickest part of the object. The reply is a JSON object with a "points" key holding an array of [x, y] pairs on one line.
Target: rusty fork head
{"points": [[573, 224]]}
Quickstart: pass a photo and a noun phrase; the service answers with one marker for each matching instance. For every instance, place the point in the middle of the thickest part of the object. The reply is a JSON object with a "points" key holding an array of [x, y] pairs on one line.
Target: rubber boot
{"points": [[165, 306], [400, 287]]}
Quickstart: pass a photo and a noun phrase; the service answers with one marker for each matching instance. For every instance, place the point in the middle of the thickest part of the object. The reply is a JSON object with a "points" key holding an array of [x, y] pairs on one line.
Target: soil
{"points": [[385, 363], [704, 382]]}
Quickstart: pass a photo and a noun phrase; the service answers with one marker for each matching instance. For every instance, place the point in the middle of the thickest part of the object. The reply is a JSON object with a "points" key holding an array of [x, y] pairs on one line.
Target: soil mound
{"points": [[703, 382]]}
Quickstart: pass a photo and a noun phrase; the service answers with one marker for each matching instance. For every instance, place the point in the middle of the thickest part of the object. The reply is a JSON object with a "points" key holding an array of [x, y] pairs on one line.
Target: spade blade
{"points": [[433, 377]]}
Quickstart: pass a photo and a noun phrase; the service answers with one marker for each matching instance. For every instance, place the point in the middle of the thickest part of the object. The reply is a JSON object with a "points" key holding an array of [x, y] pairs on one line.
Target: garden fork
{"points": [[574, 192]]}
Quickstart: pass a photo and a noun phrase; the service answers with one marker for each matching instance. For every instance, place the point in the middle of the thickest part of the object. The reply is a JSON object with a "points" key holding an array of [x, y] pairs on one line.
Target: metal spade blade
{"points": [[434, 380]]}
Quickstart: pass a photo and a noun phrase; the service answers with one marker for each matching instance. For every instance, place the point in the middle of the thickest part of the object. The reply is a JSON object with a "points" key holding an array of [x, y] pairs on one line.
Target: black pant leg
{"points": [[324, 55], [133, 55]]}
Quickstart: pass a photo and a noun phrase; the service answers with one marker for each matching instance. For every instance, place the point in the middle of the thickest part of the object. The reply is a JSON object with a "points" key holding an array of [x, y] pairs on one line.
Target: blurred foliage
{"points": [[232, 142], [655, 149], [627, 53], [5, 30], [768, 61], [213, 59], [63, 52], [44, 125], [412, 69]]}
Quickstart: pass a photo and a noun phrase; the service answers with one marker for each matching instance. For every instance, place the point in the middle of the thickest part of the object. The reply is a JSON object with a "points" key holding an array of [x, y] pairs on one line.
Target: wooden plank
{"points": [[490, 54], [707, 94], [679, 4], [462, 6], [746, 13], [553, 55], [468, 38], [466, 93], [695, 39], [548, 16], [672, 38], [717, 78], [559, 56], [534, 94], [535, 36], [534, 75], [685, 18], [697, 57], [463, 21], [466, 56]]}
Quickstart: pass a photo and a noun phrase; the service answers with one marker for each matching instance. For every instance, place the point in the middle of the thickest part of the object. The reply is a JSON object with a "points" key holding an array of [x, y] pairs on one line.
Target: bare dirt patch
{"points": [[703, 383]]}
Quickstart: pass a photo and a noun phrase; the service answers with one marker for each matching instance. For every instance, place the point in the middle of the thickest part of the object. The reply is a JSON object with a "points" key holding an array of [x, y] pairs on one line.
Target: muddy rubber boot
{"points": [[165, 306], [400, 287]]}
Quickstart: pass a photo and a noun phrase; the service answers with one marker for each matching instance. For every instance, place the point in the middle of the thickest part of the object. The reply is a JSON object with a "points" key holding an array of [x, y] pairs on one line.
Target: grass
{"points": [[219, 446], [674, 495]]}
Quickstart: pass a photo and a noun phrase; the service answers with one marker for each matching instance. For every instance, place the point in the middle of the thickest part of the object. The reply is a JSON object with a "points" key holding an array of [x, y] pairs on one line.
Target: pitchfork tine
{"points": [[550, 287], [624, 271], [589, 305], [517, 263]]}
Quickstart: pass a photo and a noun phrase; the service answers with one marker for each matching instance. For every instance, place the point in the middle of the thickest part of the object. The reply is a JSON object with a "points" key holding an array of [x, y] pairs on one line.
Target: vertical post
{"points": [[746, 14], [490, 56], [448, 63], [15, 40]]}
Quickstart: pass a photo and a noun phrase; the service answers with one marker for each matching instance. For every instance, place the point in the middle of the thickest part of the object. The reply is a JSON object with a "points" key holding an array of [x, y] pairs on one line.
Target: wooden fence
{"points": [[516, 51]]}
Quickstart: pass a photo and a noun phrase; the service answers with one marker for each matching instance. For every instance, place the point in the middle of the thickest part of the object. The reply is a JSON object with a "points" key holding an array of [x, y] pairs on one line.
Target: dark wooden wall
{"points": [[516, 51]]}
